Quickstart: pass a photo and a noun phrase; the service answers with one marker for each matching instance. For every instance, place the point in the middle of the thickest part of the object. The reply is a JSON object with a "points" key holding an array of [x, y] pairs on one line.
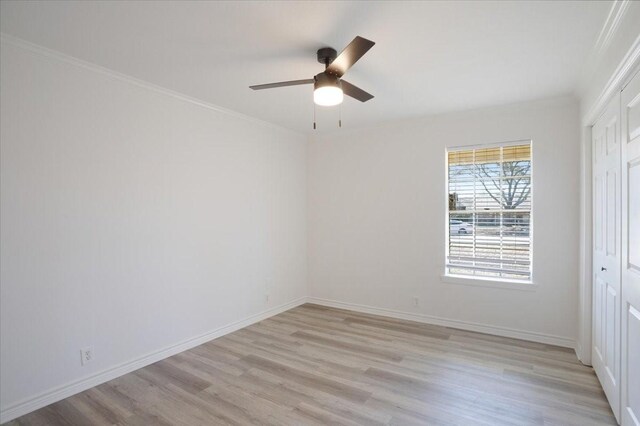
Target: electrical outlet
{"points": [[267, 289], [86, 355]]}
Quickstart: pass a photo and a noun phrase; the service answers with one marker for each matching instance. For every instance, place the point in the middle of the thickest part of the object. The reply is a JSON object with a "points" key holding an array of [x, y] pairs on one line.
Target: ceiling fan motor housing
{"points": [[326, 55]]}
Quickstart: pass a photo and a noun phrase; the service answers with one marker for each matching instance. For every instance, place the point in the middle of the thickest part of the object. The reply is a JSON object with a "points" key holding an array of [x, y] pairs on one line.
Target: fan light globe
{"points": [[328, 96], [327, 90]]}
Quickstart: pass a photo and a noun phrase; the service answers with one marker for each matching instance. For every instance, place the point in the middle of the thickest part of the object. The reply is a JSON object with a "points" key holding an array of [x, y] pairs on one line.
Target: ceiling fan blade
{"points": [[282, 84], [349, 56], [355, 92]]}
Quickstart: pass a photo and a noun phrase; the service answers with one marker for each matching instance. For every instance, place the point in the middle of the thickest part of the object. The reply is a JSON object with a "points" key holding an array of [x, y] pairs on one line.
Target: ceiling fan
{"points": [[328, 86]]}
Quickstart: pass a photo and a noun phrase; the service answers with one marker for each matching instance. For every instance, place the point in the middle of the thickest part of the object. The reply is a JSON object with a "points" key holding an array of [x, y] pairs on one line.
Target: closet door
{"points": [[630, 150], [606, 252]]}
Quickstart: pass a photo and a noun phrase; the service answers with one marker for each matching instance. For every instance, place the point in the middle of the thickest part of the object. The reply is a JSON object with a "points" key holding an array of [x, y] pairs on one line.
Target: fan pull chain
{"points": [[314, 116], [340, 116]]}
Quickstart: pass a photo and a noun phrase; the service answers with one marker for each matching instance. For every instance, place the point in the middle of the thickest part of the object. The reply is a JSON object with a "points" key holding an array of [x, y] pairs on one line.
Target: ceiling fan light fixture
{"points": [[328, 96], [327, 90]]}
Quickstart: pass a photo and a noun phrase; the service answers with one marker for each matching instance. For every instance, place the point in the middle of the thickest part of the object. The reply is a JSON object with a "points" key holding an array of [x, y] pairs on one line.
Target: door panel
{"points": [[633, 183], [598, 291], [598, 216], [611, 322], [630, 273], [612, 203], [631, 401], [612, 136], [606, 355]]}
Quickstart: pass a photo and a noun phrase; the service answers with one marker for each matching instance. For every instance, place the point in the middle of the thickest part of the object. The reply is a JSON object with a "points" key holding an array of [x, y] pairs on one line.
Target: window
{"points": [[490, 212]]}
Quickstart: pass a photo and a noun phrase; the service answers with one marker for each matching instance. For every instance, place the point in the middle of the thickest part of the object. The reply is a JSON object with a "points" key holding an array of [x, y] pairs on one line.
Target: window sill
{"points": [[488, 282]]}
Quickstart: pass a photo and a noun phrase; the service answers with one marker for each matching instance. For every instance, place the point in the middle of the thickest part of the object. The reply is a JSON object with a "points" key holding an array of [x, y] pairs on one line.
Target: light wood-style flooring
{"points": [[314, 365]]}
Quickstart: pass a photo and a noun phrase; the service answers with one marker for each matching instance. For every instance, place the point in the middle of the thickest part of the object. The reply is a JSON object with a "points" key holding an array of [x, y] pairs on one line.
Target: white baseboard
{"points": [[49, 397], [583, 356], [462, 325]]}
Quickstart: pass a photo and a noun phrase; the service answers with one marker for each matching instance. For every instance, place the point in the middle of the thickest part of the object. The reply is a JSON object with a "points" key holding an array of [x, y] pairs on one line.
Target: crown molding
{"points": [[57, 55], [623, 73], [610, 26]]}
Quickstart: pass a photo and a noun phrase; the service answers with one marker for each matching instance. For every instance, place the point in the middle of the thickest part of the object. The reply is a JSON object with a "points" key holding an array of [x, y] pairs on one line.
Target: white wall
{"points": [[133, 220], [376, 218]]}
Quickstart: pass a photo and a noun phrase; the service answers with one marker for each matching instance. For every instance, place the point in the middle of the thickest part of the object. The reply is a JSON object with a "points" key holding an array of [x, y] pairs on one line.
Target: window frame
{"points": [[488, 281]]}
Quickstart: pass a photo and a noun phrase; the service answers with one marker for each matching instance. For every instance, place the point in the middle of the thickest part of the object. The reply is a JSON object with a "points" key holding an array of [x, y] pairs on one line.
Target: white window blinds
{"points": [[490, 211]]}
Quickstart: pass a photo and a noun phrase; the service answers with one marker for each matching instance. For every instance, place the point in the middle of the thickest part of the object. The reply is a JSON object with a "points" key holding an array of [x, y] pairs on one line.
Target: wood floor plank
{"points": [[315, 365]]}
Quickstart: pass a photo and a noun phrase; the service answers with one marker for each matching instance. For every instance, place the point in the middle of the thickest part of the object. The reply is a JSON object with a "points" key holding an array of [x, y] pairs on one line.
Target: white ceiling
{"points": [[430, 57]]}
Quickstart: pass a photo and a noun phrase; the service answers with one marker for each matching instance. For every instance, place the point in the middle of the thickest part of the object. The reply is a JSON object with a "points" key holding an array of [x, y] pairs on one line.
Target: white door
{"points": [[606, 252], [630, 150]]}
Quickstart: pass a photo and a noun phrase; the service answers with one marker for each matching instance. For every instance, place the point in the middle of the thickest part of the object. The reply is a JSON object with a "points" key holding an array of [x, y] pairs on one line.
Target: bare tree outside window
{"points": [[515, 174]]}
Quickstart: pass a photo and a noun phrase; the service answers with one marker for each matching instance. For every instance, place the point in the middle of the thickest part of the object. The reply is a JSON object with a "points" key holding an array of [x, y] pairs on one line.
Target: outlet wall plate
{"points": [[86, 355], [267, 289]]}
